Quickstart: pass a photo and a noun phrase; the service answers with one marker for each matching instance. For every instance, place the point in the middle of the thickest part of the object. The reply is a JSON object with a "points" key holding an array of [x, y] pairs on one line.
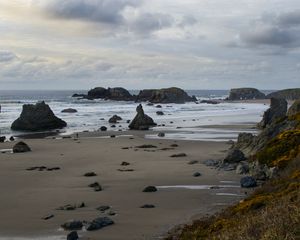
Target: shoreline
{"points": [[151, 167]]}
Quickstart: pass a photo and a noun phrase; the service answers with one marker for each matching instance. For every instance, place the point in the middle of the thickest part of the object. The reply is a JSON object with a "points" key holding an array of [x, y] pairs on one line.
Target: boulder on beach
{"points": [[114, 119], [2, 139], [294, 109], [69, 110], [248, 182], [37, 117], [141, 120], [99, 223], [165, 95], [234, 156], [73, 236], [288, 94], [150, 189], [245, 94], [277, 110], [72, 225], [21, 147]]}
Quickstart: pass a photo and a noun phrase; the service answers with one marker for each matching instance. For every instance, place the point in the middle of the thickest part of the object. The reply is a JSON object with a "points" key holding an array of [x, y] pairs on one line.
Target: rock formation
{"points": [[141, 120], [294, 109], [165, 95], [37, 117], [288, 94], [69, 110], [114, 119], [245, 94], [21, 147], [276, 111]]}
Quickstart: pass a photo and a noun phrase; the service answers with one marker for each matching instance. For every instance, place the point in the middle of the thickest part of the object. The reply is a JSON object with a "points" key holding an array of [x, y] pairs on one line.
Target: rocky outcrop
{"points": [[21, 147], [294, 109], [2, 139], [245, 94], [288, 94], [276, 111], [141, 120], [114, 119], [69, 110], [37, 117], [165, 95], [234, 156]]}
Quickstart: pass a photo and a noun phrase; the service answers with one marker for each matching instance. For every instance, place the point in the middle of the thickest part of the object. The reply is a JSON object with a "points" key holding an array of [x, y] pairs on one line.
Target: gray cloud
{"points": [[289, 18], [6, 56]]}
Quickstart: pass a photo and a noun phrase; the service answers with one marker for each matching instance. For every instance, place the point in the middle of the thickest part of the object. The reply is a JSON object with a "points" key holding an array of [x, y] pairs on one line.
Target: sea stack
{"points": [[245, 94], [38, 117], [141, 120]]}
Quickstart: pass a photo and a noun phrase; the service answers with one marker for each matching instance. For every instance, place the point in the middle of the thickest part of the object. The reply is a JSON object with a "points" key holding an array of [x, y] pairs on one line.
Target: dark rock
{"points": [[48, 217], [125, 164], [11, 139], [37, 117], [73, 236], [234, 156], [118, 94], [69, 110], [276, 111], [178, 155], [72, 225], [245, 94], [214, 102], [158, 106], [166, 95], [90, 174], [76, 95], [148, 206], [150, 189], [21, 147], [146, 146], [193, 162], [160, 113], [2, 139], [174, 145], [99, 223], [242, 168], [288, 94], [103, 128], [103, 208], [67, 207], [248, 182], [161, 134], [210, 163], [96, 186], [141, 120], [113, 126], [294, 109], [197, 174], [112, 136], [81, 205], [114, 119]]}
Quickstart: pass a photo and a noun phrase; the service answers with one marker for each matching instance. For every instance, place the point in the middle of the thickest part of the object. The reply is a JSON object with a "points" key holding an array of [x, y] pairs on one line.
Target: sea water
{"points": [[188, 121]]}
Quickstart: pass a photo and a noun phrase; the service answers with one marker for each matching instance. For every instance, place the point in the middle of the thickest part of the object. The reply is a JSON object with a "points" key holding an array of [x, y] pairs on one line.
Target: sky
{"points": [[136, 44]]}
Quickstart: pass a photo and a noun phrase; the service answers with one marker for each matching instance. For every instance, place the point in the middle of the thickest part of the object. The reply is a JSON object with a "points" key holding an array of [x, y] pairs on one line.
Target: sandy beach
{"points": [[28, 196]]}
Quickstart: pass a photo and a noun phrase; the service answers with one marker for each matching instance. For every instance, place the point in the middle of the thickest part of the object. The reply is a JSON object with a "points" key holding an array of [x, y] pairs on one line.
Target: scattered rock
{"points": [[150, 189], [73, 236], [67, 207], [174, 145], [146, 146], [103, 128], [193, 162], [112, 136], [90, 174], [242, 168], [99, 223], [160, 113], [161, 134], [125, 164], [72, 225], [37, 117], [126, 170], [21, 147], [248, 182], [2, 139], [114, 119], [158, 106], [197, 174], [103, 208], [294, 109], [96, 186], [141, 120], [234, 156], [211, 163], [48, 217], [214, 102], [11, 139], [69, 110], [178, 155], [148, 206]]}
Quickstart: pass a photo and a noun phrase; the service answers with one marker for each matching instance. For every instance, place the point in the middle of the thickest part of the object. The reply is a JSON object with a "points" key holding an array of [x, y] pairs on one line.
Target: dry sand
{"points": [[27, 196]]}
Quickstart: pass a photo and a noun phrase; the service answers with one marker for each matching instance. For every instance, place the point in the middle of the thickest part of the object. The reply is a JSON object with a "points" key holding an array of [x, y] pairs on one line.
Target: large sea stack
{"points": [[165, 95], [288, 94], [141, 120], [117, 94], [245, 94], [37, 117]]}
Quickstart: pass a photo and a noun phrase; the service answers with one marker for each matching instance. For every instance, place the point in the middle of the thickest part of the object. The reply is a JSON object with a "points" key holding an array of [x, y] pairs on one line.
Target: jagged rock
{"points": [[242, 168], [72, 225], [288, 94], [150, 189], [37, 117], [141, 120], [73, 236], [21, 147], [248, 182], [114, 119], [294, 109], [69, 110], [99, 223], [2, 139], [165, 95], [245, 143], [245, 94], [234, 156], [277, 110]]}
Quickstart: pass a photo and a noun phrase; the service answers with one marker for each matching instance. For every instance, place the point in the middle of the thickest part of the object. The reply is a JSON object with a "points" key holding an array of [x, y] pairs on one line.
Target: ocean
{"points": [[188, 121]]}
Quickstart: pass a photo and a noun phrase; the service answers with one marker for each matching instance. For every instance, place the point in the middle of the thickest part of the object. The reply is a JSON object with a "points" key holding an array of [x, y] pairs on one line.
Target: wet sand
{"points": [[27, 196]]}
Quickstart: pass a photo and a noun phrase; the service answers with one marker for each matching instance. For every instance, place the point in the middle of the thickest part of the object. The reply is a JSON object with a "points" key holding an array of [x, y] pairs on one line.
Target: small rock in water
{"points": [[160, 113], [90, 174], [248, 182], [99, 223], [103, 128], [73, 236], [150, 189], [72, 225], [69, 110], [178, 155], [113, 136], [148, 206], [114, 119], [197, 174], [161, 134]]}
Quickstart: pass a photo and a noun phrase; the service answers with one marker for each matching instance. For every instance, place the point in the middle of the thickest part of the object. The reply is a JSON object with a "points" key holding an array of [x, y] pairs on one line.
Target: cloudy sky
{"points": [[194, 44]]}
